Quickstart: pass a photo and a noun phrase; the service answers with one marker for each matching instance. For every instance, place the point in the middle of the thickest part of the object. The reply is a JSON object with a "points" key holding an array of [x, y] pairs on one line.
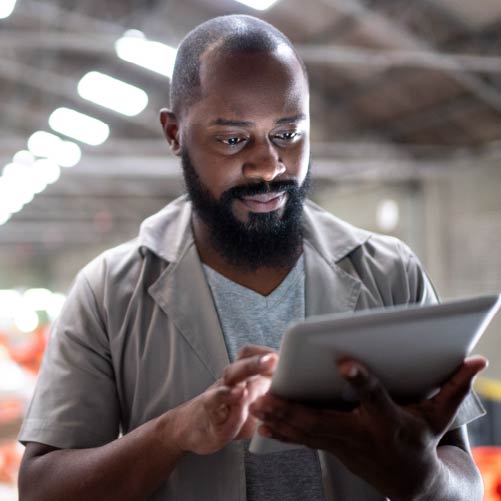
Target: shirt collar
{"points": [[168, 232]]}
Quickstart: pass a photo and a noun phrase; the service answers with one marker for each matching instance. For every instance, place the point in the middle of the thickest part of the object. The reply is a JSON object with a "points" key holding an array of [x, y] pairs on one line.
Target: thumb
{"points": [[447, 401]]}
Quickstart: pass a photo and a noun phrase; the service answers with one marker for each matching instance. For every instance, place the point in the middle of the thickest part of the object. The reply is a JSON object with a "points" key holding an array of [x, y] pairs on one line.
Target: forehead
{"points": [[252, 85]]}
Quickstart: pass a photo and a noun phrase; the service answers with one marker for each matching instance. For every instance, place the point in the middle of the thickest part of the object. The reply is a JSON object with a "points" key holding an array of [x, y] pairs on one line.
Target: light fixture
{"points": [[4, 216], [46, 145], [55, 305], [43, 144], [6, 8], [47, 170], [387, 215], [10, 203], [37, 299], [258, 4], [14, 188], [26, 320], [79, 126], [20, 182], [23, 157], [10, 301], [135, 48], [68, 154], [112, 93]]}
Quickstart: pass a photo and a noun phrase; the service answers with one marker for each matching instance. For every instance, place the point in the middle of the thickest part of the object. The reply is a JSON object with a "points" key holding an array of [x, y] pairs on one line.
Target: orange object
{"points": [[29, 353], [10, 460], [488, 460]]}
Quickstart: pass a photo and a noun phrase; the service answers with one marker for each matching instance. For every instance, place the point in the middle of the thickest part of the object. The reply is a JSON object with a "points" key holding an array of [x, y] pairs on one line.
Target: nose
{"points": [[263, 162]]}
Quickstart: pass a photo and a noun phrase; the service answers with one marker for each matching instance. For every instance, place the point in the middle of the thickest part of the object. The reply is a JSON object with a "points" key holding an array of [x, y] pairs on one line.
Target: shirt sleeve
{"points": [[471, 407], [75, 403]]}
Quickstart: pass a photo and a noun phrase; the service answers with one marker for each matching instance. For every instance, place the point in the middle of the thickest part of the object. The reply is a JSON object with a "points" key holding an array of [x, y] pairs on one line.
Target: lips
{"points": [[264, 202]]}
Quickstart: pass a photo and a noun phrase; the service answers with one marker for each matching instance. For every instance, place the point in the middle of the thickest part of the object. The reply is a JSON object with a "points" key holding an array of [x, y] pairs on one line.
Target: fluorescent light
{"points": [[15, 188], [6, 8], [26, 320], [46, 145], [20, 182], [4, 216], [258, 4], [387, 214], [23, 157], [68, 154], [10, 301], [47, 170], [55, 304], [112, 93], [37, 299], [43, 144], [135, 48], [79, 126], [12, 195]]}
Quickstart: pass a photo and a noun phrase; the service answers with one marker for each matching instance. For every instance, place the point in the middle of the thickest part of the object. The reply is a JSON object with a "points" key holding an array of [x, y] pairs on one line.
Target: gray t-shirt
{"points": [[249, 318]]}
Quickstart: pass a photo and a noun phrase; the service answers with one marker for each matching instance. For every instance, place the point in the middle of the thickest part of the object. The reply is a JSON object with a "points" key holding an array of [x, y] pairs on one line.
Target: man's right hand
{"points": [[220, 414]]}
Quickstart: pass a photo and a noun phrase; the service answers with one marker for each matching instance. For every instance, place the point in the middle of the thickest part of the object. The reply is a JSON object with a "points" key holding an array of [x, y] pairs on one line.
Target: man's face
{"points": [[245, 154]]}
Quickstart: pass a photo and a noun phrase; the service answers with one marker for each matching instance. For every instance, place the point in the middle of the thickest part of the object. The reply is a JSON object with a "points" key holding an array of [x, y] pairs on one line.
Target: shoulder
{"points": [[389, 271], [338, 239], [114, 265]]}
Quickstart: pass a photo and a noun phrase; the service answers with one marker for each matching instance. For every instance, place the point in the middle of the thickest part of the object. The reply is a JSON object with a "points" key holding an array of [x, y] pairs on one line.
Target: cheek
{"points": [[297, 161], [216, 173]]}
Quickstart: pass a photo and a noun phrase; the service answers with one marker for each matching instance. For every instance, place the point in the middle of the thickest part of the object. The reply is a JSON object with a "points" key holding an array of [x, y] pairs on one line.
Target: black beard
{"points": [[266, 239]]}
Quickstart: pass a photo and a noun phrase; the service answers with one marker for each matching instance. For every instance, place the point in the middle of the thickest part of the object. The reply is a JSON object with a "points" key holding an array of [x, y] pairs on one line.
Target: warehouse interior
{"points": [[405, 136]]}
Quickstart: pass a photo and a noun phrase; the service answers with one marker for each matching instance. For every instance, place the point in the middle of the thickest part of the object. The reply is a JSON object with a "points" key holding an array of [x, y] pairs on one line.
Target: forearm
{"points": [[129, 468]]}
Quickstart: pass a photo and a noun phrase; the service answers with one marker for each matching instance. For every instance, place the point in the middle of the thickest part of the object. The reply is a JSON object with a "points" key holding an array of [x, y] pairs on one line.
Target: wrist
{"points": [[429, 484], [168, 427]]}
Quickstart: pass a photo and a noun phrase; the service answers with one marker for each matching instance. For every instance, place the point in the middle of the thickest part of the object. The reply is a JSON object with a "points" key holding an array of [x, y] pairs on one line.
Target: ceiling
{"points": [[398, 89]]}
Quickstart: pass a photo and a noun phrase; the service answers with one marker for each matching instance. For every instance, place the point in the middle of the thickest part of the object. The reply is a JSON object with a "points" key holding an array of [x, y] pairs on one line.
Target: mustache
{"points": [[260, 188]]}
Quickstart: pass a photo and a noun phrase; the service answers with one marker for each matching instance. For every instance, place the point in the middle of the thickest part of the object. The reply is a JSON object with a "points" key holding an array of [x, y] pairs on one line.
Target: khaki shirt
{"points": [[139, 335]]}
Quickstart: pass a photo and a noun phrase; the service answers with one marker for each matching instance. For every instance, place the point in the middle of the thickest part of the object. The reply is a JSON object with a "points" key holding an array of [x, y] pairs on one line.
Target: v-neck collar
{"points": [[276, 296]]}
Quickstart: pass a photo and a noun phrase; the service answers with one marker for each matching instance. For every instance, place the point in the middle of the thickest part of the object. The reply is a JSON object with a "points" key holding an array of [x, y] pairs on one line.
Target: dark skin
{"points": [[405, 452], [271, 126], [252, 124]]}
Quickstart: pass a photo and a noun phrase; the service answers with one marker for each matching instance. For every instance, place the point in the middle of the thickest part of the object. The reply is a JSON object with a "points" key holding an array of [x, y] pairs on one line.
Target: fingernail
{"points": [[349, 369], [264, 360]]}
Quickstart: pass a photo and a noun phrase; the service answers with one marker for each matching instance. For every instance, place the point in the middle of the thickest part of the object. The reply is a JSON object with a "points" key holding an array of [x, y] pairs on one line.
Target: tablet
{"points": [[413, 350]]}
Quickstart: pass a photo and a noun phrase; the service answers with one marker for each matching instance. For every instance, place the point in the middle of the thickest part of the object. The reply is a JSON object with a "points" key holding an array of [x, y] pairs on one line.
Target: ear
{"points": [[171, 130]]}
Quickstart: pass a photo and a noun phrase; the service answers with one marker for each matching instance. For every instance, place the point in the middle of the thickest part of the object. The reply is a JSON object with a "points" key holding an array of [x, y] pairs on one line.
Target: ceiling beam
{"points": [[54, 83], [337, 55], [389, 32]]}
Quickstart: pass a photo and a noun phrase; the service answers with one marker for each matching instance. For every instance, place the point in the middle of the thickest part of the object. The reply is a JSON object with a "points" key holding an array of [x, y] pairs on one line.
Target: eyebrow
{"points": [[287, 120], [241, 123]]}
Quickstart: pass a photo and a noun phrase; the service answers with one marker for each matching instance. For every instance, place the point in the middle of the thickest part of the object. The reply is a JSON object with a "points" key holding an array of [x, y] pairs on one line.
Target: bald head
{"points": [[215, 38]]}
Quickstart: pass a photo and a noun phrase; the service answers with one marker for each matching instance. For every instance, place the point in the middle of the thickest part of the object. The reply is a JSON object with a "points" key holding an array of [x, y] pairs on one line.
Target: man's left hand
{"points": [[392, 447]]}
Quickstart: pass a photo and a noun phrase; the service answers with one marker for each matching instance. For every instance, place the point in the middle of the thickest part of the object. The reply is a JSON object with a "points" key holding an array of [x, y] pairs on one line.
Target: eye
{"points": [[288, 136], [233, 141]]}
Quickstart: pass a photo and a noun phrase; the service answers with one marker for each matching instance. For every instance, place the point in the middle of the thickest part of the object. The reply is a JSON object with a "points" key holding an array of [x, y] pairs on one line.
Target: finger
{"points": [[218, 401], [257, 387], [287, 434], [445, 404], [309, 421], [253, 349], [257, 365], [373, 396]]}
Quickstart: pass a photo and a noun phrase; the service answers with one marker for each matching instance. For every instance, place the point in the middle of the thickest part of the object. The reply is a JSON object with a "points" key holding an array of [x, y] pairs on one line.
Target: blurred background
{"points": [[406, 140]]}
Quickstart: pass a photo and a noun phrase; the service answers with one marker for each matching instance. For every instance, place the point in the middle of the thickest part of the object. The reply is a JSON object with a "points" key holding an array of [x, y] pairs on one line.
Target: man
{"points": [[148, 342]]}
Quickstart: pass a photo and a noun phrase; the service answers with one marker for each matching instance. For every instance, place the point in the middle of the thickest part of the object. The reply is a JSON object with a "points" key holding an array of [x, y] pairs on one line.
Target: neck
{"points": [[262, 280]]}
